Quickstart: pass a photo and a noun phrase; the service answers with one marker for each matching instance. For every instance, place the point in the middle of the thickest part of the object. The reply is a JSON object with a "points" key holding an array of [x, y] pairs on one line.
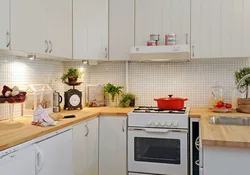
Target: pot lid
{"points": [[171, 98]]}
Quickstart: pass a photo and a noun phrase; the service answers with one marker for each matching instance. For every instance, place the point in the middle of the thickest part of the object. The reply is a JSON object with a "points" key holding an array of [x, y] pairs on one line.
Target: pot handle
{"points": [[185, 99], [60, 101], [170, 96]]}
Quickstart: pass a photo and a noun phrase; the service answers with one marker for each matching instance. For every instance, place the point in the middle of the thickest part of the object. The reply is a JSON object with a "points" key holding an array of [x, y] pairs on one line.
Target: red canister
{"points": [[151, 43], [170, 39]]}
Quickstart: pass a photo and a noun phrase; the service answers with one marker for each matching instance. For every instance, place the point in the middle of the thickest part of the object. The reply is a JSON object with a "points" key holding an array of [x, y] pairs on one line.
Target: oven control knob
{"points": [[162, 123], [168, 123], [175, 123], [157, 123], [149, 122]]}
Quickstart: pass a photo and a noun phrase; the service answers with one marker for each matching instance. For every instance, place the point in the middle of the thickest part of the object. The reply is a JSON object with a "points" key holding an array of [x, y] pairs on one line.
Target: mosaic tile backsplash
{"points": [[147, 81]]}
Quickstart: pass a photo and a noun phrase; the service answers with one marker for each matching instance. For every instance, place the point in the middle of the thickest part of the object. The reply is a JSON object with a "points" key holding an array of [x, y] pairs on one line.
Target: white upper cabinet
{"points": [[121, 29], [220, 28], [5, 24], [59, 29], [28, 26], [90, 29], [42, 27], [162, 17]]}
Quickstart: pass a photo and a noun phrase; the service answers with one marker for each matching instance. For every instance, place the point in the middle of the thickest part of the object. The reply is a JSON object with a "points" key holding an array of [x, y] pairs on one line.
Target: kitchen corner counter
{"points": [[222, 135], [23, 131]]}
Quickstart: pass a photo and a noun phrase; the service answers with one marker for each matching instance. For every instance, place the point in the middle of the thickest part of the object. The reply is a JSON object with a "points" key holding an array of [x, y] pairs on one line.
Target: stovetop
{"points": [[151, 109]]}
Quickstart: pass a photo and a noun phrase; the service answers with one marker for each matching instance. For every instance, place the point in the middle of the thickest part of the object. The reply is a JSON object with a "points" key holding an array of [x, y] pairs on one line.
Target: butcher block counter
{"points": [[221, 135], [22, 131]]}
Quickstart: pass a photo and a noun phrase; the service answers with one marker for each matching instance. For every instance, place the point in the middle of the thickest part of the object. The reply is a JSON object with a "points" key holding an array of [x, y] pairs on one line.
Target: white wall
{"points": [[147, 80], [191, 80], [16, 71]]}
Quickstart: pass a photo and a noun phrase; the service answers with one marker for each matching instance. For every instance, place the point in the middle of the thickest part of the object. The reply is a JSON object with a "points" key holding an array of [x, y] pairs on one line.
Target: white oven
{"points": [[157, 151]]}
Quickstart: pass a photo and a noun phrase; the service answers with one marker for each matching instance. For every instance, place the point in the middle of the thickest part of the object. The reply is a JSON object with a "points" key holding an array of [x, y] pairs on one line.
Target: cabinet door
{"points": [[224, 33], [92, 146], [80, 149], [60, 28], [5, 24], [21, 162], [56, 155], [90, 29], [28, 25], [112, 146], [121, 29], [162, 17]]}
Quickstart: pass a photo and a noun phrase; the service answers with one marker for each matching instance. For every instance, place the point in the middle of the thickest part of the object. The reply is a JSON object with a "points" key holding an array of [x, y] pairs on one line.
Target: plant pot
{"points": [[72, 79], [243, 105], [132, 103], [113, 103]]}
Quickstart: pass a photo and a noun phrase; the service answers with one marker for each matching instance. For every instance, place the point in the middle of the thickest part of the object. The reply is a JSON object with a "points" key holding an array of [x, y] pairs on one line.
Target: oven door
{"points": [[157, 151]]}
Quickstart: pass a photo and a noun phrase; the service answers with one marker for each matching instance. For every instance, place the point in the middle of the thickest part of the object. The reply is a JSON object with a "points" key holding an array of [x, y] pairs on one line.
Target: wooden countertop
{"points": [[23, 131], [221, 135]]}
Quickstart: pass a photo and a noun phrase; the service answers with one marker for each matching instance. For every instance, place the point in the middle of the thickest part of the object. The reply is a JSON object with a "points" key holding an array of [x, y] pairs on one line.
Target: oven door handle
{"points": [[153, 130]]}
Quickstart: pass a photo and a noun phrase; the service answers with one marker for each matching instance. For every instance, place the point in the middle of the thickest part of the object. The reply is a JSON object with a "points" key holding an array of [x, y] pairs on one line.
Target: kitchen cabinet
{"points": [[20, 162], [85, 147], [162, 17], [54, 155], [224, 33], [59, 36], [194, 146], [112, 145], [90, 29], [42, 27], [5, 24], [28, 26], [121, 29], [226, 160]]}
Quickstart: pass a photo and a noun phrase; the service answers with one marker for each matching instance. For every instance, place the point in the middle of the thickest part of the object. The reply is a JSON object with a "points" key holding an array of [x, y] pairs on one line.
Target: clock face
{"points": [[74, 100]]}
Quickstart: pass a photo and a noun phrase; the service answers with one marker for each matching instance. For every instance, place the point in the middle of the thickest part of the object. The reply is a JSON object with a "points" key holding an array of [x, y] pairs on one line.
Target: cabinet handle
{"points": [[46, 46], [197, 162], [197, 143], [8, 39], [186, 38], [39, 160], [193, 51], [51, 46], [106, 50], [87, 131], [123, 126]]}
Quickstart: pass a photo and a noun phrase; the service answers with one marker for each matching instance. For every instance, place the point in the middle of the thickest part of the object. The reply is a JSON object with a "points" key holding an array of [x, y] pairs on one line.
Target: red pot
{"points": [[173, 103]]}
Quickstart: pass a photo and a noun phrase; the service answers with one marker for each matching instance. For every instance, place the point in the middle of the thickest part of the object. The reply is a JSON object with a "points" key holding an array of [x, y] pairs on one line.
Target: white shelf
{"points": [[160, 53]]}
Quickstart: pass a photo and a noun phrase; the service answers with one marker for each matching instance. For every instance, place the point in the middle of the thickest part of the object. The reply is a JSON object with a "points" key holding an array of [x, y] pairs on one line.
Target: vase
{"points": [[113, 103]]}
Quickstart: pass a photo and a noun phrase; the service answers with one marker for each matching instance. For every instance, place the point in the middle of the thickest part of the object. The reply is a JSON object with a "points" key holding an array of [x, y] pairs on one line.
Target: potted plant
{"points": [[128, 100], [243, 83], [113, 91], [71, 75]]}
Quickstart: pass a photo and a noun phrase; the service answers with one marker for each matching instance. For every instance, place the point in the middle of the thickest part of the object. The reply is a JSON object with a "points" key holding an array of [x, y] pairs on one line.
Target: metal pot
{"points": [[172, 103]]}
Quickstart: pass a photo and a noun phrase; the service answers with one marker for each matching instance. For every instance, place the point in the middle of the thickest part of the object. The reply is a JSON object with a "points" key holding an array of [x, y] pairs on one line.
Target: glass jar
{"points": [[216, 94]]}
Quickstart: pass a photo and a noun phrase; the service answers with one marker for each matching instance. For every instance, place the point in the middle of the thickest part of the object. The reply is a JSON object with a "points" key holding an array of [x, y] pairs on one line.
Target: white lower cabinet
{"points": [[54, 155], [112, 145], [225, 160], [20, 162], [85, 148]]}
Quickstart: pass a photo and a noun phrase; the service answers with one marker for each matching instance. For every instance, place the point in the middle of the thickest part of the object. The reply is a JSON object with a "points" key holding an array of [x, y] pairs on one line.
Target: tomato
{"points": [[219, 104], [222, 107], [228, 106], [216, 107]]}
